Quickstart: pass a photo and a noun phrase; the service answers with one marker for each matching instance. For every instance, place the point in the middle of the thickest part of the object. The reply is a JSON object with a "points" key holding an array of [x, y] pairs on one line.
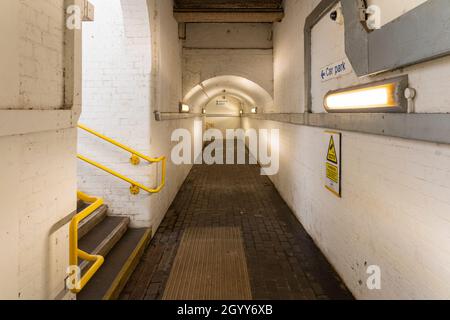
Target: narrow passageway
{"points": [[229, 235]]}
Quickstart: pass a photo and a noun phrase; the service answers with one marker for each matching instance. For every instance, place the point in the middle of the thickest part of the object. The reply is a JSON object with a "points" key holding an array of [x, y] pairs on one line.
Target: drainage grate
{"points": [[210, 265]]}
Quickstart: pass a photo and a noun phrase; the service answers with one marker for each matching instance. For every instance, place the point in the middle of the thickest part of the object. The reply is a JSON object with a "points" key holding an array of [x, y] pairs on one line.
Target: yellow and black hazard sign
{"points": [[333, 174], [332, 155]]}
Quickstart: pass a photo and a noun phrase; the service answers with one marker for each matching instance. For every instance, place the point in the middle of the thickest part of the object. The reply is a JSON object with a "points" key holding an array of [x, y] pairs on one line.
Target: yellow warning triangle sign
{"points": [[332, 154]]}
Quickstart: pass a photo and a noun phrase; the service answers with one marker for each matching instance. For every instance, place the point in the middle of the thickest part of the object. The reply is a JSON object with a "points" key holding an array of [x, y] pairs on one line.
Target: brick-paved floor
{"points": [[283, 262]]}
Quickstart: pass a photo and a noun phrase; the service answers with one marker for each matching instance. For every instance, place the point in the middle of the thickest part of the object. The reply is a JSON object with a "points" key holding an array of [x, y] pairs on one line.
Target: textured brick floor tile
{"points": [[283, 261]]}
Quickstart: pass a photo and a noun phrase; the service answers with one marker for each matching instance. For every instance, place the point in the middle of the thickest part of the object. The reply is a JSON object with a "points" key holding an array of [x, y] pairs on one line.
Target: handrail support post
{"points": [[135, 160]]}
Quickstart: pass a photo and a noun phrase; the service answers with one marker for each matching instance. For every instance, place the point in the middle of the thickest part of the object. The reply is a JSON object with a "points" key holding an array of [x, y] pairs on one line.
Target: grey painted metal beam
{"points": [[433, 128], [419, 35], [356, 37], [318, 13]]}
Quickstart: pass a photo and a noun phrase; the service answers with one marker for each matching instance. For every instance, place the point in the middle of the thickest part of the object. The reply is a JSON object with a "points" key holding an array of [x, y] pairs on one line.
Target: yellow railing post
{"points": [[74, 251]]}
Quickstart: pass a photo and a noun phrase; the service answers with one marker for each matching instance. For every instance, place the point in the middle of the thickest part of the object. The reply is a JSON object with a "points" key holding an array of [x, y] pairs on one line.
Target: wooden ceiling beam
{"points": [[228, 4], [223, 11], [184, 16]]}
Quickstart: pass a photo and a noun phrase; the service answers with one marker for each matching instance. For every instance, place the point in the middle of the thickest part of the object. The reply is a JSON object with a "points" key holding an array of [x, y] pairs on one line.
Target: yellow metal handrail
{"points": [[74, 251], [135, 186], [135, 160]]}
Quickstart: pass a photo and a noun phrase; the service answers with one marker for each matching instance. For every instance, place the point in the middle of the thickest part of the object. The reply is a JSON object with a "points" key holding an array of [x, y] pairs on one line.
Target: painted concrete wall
{"points": [[38, 143], [243, 50], [395, 205], [166, 86]]}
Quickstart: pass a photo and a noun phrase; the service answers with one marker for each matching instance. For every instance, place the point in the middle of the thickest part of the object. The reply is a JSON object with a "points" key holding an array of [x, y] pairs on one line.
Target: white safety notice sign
{"points": [[333, 163]]}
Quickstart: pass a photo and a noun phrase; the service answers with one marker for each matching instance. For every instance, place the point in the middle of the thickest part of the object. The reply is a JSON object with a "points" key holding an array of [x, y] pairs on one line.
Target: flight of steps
{"points": [[122, 247]]}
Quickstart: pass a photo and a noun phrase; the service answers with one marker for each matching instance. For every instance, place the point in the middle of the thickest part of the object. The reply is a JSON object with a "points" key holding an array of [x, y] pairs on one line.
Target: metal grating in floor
{"points": [[210, 265]]}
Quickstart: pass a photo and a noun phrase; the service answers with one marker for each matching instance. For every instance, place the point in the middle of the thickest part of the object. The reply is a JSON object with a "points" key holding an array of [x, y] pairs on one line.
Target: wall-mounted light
{"points": [[375, 97], [184, 108], [254, 110], [241, 112], [204, 111]]}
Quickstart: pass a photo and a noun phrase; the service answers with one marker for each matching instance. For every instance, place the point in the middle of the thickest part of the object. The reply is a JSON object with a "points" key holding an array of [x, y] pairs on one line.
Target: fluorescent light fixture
{"points": [[376, 97], [184, 108], [254, 110]]}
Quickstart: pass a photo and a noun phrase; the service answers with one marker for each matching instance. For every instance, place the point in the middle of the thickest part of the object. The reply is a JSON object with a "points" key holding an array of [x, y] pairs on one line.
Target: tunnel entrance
{"points": [[223, 112]]}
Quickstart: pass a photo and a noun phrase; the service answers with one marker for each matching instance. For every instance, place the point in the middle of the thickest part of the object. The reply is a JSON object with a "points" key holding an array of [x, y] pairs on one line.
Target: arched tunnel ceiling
{"points": [[228, 10], [247, 91]]}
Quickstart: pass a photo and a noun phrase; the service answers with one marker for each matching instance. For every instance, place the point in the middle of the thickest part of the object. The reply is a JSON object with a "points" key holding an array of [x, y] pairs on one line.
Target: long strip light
{"points": [[384, 96]]}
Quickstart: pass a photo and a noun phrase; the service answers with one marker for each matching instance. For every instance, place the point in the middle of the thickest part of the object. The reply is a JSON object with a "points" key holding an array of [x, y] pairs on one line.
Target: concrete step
{"points": [[92, 221], [102, 238], [120, 263], [81, 205]]}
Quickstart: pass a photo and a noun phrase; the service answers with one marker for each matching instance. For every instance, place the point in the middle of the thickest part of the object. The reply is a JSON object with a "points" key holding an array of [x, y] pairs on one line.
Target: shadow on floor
{"points": [[282, 261]]}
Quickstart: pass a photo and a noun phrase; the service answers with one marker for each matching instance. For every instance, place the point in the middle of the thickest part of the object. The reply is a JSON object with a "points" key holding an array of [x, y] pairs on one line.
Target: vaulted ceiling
{"points": [[228, 10]]}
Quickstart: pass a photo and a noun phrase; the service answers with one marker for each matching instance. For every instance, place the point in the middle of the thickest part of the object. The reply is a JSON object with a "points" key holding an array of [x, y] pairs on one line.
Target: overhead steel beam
{"points": [[223, 11], [228, 4], [419, 35], [228, 16]]}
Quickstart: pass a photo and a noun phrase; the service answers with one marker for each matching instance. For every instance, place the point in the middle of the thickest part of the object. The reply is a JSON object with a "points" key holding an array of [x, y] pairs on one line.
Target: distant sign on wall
{"points": [[335, 70], [333, 163]]}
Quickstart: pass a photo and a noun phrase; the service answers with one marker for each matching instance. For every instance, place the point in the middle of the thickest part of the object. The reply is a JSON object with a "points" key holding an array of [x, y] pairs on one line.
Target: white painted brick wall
{"points": [[395, 205], [38, 174], [40, 59], [166, 87], [37, 169], [116, 102], [394, 210], [117, 95]]}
